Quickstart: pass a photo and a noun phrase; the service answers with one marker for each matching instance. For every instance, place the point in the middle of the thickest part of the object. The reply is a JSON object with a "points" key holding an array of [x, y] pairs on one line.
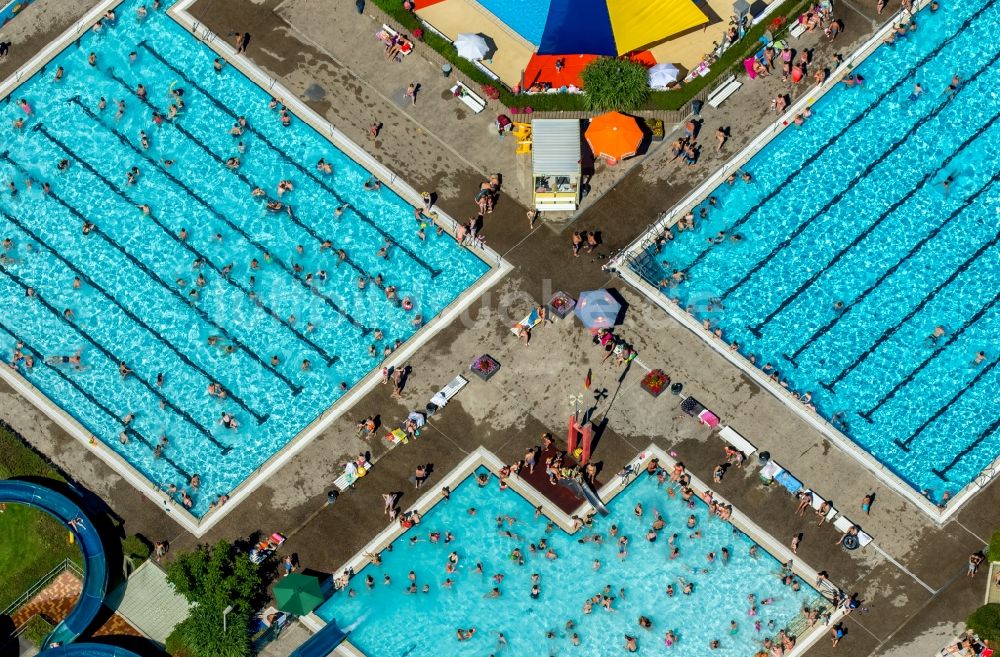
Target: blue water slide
{"points": [[322, 643], [95, 570]]}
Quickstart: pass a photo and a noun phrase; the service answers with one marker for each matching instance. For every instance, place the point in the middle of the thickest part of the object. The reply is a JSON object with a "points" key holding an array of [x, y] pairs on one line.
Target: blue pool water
{"points": [[136, 271], [854, 250], [526, 17], [381, 619]]}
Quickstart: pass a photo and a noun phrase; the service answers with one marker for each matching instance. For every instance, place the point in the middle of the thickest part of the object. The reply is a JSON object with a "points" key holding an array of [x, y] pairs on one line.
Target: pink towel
{"points": [[708, 417], [748, 64]]}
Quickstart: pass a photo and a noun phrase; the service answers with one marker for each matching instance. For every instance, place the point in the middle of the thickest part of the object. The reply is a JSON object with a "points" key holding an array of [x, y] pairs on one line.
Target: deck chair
{"points": [[523, 147]]}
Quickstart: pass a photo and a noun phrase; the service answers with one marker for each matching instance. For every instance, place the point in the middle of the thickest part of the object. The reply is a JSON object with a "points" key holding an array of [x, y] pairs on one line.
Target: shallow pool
{"points": [[384, 620]]}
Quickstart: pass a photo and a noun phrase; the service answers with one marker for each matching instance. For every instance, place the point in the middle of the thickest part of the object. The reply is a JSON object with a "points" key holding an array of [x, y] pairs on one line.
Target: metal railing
{"points": [[43, 581]]}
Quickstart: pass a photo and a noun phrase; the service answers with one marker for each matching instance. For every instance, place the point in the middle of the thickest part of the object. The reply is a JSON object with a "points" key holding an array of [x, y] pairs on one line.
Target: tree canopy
{"points": [[213, 578]]}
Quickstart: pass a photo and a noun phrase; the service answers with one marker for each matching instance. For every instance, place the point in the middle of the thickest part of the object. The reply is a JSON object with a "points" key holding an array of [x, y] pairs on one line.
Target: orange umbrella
{"points": [[614, 136]]}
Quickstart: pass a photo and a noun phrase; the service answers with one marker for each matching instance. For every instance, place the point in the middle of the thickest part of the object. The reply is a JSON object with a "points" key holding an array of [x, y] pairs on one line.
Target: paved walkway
{"points": [[914, 587], [56, 600]]}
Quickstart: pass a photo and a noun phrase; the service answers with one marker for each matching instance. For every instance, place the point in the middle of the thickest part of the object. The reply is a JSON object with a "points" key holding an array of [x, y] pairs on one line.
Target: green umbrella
{"points": [[298, 594]]}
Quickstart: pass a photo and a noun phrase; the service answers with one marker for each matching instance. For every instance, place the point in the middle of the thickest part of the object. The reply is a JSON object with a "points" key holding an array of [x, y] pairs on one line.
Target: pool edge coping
{"points": [[619, 264], [498, 268], [482, 456]]}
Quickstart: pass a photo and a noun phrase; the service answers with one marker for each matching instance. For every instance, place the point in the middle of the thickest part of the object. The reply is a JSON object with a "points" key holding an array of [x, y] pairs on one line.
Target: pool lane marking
{"points": [[891, 331], [952, 337], [811, 341], [93, 400], [114, 359], [434, 272], [128, 313], [365, 330], [905, 444], [983, 435], [184, 358], [328, 357], [246, 181], [296, 389], [853, 122], [868, 230], [871, 228]]}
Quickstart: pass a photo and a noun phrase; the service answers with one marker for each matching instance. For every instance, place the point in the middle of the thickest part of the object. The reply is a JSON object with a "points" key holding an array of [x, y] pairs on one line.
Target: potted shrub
{"points": [[491, 92], [485, 367], [655, 382], [561, 304]]}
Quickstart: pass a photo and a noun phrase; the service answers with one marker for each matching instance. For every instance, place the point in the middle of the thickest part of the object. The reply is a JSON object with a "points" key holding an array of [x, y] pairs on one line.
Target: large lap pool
{"points": [[385, 620], [205, 286], [861, 233]]}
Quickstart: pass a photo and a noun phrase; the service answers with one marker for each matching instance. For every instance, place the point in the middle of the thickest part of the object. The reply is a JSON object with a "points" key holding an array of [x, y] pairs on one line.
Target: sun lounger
{"points": [[796, 30], [864, 538], [348, 479], [738, 442], [531, 321], [444, 395]]}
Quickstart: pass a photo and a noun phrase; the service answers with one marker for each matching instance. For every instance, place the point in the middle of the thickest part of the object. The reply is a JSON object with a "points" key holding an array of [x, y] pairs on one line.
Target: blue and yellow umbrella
{"points": [[615, 27]]}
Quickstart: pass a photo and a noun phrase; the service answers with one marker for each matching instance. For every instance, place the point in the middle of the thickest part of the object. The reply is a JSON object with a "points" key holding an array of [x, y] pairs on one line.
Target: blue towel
{"points": [[786, 479]]}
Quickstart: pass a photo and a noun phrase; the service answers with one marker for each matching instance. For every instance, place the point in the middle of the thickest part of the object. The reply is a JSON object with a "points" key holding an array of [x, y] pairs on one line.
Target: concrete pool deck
{"points": [[915, 606]]}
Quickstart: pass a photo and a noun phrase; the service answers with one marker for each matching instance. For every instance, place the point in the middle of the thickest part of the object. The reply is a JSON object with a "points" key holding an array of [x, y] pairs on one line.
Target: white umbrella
{"points": [[471, 46], [661, 75]]}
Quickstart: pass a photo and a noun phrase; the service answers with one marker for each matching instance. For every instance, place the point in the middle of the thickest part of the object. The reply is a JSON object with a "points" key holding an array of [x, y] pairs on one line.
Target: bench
{"points": [[347, 480], [389, 36], [817, 505], [724, 91], [444, 395], [843, 524], [738, 442], [467, 96]]}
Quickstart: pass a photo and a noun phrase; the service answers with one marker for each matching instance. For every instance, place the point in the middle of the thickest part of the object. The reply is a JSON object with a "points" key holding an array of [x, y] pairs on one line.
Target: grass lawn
{"points": [[31, 542]]}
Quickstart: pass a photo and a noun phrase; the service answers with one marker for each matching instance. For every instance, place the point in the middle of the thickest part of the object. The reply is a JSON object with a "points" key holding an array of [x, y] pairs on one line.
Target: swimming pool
{"points": [[262, 309], [526, 17], [853, 250], [380, 618]]}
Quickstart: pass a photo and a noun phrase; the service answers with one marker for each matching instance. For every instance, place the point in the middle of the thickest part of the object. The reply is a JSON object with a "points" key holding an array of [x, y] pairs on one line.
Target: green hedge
{"points": [[732, 59]]}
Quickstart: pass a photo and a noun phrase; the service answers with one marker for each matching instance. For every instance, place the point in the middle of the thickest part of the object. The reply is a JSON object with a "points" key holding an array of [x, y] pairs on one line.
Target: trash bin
{"points": [[764, 457], [360, 6], [676, 388], [696, 106], [446, 69]]}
